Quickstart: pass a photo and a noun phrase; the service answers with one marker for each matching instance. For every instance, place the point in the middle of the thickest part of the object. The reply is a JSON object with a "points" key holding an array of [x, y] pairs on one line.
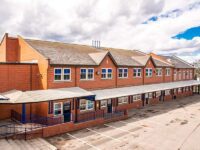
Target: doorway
{"points": [[109, 106], [67, 111]]}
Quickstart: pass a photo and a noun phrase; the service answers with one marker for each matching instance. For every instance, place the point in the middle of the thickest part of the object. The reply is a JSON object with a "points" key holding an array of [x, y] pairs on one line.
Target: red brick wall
{"points": [[12, 50], [19, 76], [3, 50]]}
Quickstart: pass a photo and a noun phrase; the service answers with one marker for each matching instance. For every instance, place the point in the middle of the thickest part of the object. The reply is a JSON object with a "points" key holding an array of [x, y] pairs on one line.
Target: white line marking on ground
{"points": [[84, 142], [120, 129], [104, 135]]}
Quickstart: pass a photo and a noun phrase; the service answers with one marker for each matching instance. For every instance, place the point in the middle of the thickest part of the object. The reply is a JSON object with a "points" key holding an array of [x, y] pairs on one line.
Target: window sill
{"points": [[137, 77], [58, 81], [106, 78], [86, 79]]}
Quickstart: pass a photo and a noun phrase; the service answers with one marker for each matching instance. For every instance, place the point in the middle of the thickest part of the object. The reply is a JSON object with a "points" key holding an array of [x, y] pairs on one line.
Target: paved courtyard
{"points": [[167, 126]]}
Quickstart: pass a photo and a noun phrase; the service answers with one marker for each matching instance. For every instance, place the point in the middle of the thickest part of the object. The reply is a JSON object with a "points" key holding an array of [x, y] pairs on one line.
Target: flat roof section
{"points": [[134, 90]]}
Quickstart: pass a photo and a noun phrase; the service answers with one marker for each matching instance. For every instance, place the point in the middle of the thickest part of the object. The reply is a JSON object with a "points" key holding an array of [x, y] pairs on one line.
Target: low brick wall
{"points": [[68, 127]]}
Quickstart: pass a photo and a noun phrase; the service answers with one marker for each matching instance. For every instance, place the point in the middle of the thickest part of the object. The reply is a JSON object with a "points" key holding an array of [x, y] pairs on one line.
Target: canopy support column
{"points": [[23, 113]]}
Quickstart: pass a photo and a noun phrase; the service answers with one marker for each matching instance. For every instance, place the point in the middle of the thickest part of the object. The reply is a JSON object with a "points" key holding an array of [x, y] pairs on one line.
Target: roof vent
{"points": [[96, 44]]}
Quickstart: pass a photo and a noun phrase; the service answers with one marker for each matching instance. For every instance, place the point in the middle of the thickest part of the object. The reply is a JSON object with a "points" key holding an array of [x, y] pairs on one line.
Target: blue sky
{"points": [[189, 34], [162, 26]]}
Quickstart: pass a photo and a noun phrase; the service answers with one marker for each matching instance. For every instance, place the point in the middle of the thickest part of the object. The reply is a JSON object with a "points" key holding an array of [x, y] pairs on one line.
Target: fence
{"points": [[98, 114], [32, 118], [20, 132]]}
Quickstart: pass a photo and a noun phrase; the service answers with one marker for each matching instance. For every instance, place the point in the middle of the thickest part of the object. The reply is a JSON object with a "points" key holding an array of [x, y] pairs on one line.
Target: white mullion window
{"points": [[123, 72], [158, 93], [57, 74], [87, 73], [167, 92], [123, 100], [86, 105], [167, 71], [148, 72], [103, 103], [106, 73], [62, 74], [66, 74], [158, 71], [137, 72], [58, 109], [136, 97]]}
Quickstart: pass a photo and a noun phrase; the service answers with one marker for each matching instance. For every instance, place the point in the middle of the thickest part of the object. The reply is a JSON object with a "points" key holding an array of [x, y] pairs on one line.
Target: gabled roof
{"points": [[178, 62]]}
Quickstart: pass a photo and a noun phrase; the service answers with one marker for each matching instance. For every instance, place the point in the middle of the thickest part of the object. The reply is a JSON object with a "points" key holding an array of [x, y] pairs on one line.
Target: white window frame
{"points": [[137, 97], [191, 74], [106, 74], [58, 109], [86, 105], [104, 102], [87, 74], [138, 73], [158, 93], [67, 74], [62, 74], [175, 75], [167, 71], [124, 100], [150, 95], [180, 75], [158, 71], [147, 72], [123, 72], [167, 92], [184, 76]]}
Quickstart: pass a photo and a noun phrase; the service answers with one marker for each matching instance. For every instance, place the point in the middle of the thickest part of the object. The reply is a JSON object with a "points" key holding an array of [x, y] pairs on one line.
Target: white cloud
{"points": [[117, 23]]}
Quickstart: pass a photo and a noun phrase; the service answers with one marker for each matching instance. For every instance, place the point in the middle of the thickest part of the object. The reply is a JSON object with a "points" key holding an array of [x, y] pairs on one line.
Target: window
{"points": [[137, 72], [123, 100], [179, 75], [122, 72], [158, 93], [103, 103], [167, 92], [57, 74], [57, 109], [87, 74], [150, 95], [187, 75], [183, 75], [62, 74], [148, 72], [136, 97], [67, 73], [106, 73], [158, 71], [190, 74], [167, 73], [86, 104], [175, 74], [179, 90]]}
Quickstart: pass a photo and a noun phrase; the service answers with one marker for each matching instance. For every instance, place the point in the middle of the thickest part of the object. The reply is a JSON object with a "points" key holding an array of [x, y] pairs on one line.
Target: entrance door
{"points": [[67, 111], [109, 106]]}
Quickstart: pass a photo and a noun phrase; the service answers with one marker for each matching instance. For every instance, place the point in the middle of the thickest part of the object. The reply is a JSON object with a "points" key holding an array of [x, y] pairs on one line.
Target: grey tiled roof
{"points": [[74, 54], [178, 62]]}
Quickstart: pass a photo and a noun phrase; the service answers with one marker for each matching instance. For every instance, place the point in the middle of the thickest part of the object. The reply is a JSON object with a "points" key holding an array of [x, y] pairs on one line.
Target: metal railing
{"points": [[87, 116], [32, 118], [20, 132]]}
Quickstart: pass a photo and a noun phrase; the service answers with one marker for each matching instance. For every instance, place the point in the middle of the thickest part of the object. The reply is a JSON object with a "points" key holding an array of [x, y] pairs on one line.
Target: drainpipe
{"points": [[116, 77]]}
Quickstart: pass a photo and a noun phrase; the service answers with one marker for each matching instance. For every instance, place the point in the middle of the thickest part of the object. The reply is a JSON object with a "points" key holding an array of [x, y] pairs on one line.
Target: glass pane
{"points": [[103, 70], [90, 70], [66, 71], [66, 77], [83, 70], [58, 71], [57, 77], [109, 70]]}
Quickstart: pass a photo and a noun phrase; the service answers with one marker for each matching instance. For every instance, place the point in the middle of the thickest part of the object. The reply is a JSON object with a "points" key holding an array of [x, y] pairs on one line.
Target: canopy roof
{"points": [[133, 90], [16, 96]]}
